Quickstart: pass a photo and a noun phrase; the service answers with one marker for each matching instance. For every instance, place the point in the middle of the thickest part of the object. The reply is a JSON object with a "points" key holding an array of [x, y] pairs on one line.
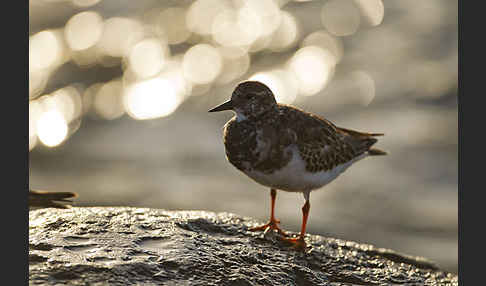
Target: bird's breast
{"points": [[254, 146], [240, 143]]}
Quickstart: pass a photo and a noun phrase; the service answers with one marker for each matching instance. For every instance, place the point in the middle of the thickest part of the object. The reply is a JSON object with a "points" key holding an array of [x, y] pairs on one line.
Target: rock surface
{"points": [[126, 246]]}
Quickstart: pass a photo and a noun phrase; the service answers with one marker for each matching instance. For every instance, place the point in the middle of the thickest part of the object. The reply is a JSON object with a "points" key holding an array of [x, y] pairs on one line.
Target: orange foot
{"points": [[271, 225], [298, 243]]}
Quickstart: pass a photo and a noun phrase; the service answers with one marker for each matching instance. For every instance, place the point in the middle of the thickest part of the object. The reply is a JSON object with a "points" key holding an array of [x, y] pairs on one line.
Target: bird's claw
{"points": [[271, 225], [297, 243]]}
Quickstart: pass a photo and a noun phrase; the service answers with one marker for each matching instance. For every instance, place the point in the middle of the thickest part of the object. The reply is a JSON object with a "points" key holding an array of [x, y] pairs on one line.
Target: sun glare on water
{"points": [[313, 67], [51, 128], [170, 53], [151, 99]]}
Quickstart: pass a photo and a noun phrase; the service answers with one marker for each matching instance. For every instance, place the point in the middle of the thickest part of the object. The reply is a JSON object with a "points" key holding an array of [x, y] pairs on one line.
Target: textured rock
{"points": [[125, 246]]}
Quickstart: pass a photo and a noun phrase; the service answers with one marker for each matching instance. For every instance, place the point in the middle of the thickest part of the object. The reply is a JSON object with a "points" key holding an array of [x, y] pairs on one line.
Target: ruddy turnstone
{"points": [[44, 199], [288, 149]]}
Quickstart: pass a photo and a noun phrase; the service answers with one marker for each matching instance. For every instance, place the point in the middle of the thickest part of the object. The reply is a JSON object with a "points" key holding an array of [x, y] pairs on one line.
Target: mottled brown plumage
{"points": [[286, 148], [321, 144]]}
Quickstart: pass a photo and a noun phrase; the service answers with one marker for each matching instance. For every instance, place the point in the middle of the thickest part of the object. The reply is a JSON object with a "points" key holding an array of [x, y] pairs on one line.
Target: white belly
{"points": [[295, 178]]}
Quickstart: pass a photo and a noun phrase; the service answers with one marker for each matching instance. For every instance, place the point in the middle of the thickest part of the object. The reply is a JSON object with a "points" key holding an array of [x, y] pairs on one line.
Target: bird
{"points": [[46, 199], [285, 148]]}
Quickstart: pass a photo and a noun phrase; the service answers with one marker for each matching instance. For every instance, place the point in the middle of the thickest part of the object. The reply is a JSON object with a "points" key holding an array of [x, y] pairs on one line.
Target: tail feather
{"points": [[376, 152], [360, 134], [367, 142], [363, 141]]}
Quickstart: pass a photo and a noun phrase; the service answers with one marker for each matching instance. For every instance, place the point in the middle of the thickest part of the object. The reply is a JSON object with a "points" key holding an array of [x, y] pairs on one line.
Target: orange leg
{"points": [[299, 242], [273, 223]]}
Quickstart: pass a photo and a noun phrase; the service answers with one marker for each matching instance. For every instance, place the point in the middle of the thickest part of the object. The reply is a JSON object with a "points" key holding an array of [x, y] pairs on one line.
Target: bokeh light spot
{"points": [[365, 86], [108, 101], [249, 24], [44, 50], [201, 14], [325, 41], [286, 34], [68, 101], [119, 36], [52, 128], [148, 57], [372, 11], [266, 11], [313, 67], [226, 30], [174, 73], [85, 3], [151, 99], [202, 64], [83, 30], [85, 58]]}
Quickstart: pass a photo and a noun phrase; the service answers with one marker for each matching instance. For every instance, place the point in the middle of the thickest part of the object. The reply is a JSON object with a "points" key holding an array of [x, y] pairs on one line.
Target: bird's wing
{"points": [[324, 152], [322, 144]]}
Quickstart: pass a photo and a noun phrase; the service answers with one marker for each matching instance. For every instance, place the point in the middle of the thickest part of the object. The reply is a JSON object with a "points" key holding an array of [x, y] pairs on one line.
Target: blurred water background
{"points": [[119, 92]]}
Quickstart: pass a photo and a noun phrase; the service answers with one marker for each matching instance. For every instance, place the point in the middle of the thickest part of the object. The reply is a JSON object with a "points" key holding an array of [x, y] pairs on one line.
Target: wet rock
{"points": [[126, 246]]}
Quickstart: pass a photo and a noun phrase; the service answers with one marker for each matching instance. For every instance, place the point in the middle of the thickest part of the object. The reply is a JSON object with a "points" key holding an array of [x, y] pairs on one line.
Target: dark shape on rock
{"points": [[127, 246], [45, 199]]}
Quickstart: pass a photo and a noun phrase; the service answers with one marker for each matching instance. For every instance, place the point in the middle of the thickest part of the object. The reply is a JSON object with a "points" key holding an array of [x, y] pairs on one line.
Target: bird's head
{"points": [[249, 99]]}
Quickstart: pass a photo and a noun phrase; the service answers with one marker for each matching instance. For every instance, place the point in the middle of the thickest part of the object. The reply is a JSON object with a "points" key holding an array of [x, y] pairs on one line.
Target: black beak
{"points": [[228, 105]]}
